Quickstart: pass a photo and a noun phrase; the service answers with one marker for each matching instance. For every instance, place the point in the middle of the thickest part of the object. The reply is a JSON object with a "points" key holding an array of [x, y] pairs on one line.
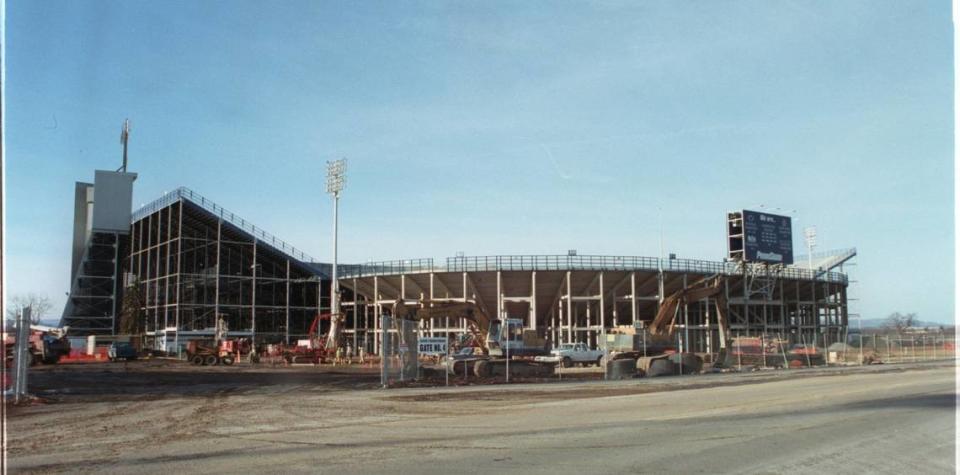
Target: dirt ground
{"points": [[164, 378], [148, 416]]}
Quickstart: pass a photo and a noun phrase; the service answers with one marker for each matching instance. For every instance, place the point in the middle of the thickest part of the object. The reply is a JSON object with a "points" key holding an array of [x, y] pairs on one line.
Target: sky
{"points": [[504, 127]]}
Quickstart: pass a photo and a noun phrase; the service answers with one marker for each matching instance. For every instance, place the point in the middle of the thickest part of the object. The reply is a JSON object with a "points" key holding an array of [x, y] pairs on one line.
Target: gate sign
{"points": [[432, 346], [767, 238]]}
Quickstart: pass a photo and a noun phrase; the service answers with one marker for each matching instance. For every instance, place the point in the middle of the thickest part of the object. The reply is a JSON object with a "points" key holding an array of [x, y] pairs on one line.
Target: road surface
{"points": [[883, 420]]}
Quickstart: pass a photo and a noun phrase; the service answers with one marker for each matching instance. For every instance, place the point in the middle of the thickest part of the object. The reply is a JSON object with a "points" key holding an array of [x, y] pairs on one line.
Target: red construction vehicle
{"points": [[220, 350], [315, 349], [47, 344], [209, 354]]}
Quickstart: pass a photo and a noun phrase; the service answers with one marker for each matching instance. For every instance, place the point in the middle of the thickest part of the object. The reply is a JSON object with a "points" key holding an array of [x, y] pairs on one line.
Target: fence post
{"points": [[739, 352], [763, 351], [22, 356], [384, 364], [786, 364], [806, 350], [861, 348]]}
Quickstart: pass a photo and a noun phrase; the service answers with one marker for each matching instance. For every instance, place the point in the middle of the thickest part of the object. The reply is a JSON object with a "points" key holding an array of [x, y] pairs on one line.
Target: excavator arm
{"points": [[478, 321], [706, 287]]}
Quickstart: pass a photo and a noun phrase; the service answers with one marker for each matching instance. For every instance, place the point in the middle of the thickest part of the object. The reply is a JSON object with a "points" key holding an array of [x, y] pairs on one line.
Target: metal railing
{"points": [[828, 253], [563, 263], [548, 262], [407, 266], [826, 260], [199, 200]]}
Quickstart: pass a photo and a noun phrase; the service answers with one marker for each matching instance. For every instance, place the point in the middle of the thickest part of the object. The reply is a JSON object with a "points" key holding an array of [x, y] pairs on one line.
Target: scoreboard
{"points": [[754, 236]]}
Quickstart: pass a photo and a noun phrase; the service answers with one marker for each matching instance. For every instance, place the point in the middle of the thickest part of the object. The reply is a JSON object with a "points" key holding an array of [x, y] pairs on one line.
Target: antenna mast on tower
{"points": [[124, 137]]}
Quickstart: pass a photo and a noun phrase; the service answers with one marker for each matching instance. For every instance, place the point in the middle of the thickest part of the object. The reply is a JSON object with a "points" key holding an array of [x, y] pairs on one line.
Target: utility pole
{"points": [[335, 179]]}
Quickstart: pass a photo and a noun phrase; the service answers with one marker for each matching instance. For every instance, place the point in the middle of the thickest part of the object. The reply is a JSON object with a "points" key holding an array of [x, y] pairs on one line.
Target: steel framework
{"points": [[193, 261]]}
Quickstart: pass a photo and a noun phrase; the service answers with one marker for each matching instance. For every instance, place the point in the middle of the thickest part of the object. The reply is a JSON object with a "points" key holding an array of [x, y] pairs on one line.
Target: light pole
{"points": [[660, 258], [335, 179], [253, 308], [810, 235]]}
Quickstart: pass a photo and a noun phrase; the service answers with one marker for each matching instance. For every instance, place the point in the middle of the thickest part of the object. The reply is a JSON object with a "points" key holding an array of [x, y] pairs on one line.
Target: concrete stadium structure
{"points": [[191, 261], [575, 298]]}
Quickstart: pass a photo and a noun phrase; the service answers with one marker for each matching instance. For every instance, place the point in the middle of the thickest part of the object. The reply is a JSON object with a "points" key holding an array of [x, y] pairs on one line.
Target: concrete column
{"points": [[569, 309], [216, 284], [366, 322], [253, 295], [286, 331], [431, 304], [746, 302], [603, 320], [499, 297], [356, 314], [589, 325], [533, 300], [176, 337], [378, 312], [706, 317], [633, 298], [558, 323]]}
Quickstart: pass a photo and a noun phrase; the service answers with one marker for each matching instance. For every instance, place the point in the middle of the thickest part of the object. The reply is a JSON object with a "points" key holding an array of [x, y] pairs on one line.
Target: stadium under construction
{"points": [[186, 262]]}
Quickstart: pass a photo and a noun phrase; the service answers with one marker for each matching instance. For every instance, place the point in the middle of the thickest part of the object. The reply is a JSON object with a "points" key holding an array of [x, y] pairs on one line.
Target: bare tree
{"points": [[131, 313], [899, 322], [39, 306]]}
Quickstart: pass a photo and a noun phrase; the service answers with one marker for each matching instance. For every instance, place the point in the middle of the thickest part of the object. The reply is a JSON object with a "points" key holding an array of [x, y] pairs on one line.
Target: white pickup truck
{"points": [[569, 353]]}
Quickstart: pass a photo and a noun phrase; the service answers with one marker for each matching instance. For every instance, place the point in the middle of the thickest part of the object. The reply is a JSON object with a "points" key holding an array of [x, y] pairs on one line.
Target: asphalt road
{"points": [[867, 421]]}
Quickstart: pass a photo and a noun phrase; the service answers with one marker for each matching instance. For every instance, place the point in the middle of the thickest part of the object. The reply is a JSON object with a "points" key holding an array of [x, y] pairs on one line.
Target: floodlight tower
{"points": [[810, 234], [335, 180]]}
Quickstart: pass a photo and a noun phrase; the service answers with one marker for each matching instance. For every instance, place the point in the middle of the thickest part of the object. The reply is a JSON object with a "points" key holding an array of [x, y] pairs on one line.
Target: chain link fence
{"points": [[399, 361], [904, 348], [410, 354]]}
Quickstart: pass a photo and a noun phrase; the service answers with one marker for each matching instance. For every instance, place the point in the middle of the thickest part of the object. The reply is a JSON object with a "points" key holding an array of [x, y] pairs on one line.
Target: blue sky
{"points": [[500, 127]]}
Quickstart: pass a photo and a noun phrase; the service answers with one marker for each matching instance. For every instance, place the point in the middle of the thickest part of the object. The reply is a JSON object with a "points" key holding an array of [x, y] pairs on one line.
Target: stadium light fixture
{"points": [[810, 235], [336, 171]]}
